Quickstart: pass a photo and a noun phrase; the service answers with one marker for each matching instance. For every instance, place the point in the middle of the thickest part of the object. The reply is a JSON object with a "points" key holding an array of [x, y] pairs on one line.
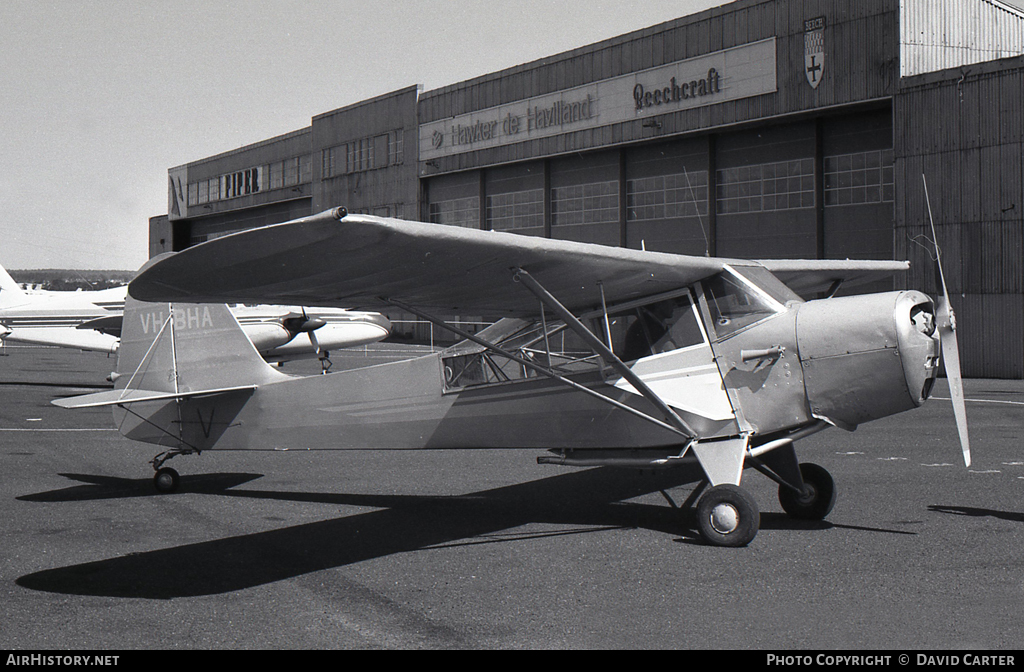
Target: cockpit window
{"points": [[734, 304], [657, 327]]}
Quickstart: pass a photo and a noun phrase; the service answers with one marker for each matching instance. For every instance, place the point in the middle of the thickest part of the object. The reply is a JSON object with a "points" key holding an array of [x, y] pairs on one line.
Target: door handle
{"points": [[773, 352]]}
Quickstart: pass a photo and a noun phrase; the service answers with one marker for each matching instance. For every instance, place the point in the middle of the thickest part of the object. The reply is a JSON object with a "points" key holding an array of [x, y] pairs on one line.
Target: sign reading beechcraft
{"points": [[738, 72], [814, 50]]}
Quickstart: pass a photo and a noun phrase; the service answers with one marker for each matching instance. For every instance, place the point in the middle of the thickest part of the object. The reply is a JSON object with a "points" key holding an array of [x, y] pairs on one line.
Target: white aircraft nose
{"points": [[918, 342], [866, 357]]}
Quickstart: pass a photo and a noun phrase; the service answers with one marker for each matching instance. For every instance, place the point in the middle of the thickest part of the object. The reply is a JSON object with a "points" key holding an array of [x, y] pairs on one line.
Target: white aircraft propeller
{"points": [[946, 325]]}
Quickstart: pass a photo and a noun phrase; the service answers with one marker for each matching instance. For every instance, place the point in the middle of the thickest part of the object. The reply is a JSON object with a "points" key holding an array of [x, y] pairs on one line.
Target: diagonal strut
{"points": [[520, 275]]}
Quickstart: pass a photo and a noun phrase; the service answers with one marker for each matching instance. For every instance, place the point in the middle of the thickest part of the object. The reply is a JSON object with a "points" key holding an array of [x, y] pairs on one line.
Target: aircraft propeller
{"points": [[303, 324], [946, 325]]}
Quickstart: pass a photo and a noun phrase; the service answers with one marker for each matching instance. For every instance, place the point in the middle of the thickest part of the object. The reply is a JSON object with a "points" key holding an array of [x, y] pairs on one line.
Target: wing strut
{"points": [[550, 373], [601, 349]]}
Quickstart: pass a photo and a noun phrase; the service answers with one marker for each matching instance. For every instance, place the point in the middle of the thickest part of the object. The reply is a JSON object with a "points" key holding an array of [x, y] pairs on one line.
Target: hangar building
{"points": [[761, 128]]}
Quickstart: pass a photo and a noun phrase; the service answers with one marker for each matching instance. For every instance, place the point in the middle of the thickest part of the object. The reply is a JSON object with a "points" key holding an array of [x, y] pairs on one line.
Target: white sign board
{"points": [[731, 74]]}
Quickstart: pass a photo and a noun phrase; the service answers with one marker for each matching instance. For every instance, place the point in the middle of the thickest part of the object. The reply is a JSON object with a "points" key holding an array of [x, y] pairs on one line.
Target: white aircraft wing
{"points": [[335, 259], [809, 276], [354, 260], [63, 337]]}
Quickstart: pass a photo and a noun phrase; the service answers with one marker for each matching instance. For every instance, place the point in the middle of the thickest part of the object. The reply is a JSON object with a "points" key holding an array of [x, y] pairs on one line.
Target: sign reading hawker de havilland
{"points": [[730, 74]]}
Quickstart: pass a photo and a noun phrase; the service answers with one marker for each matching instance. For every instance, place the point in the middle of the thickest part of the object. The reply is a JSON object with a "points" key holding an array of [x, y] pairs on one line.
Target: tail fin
{"points": [[8, 287], [186, 348], [184, 373]]}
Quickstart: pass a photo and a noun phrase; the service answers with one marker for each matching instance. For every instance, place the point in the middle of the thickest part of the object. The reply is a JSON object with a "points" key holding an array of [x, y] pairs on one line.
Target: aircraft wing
{"points": [[809, 276], [334, 259], [62, 337]]}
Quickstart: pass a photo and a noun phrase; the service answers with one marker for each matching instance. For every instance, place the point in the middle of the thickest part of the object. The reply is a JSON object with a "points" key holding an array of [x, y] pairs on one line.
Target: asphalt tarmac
{"points": [[487, 549]]}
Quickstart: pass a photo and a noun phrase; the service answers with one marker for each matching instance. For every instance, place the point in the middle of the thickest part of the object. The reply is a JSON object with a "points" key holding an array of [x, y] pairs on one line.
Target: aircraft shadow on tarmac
{"points": [[112, 487], [584, 501], [973, 512]]}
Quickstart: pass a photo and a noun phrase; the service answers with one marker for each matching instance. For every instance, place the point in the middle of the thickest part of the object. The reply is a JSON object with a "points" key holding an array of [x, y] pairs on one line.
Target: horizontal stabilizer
{"points": [[108, 324], [133, 396]]}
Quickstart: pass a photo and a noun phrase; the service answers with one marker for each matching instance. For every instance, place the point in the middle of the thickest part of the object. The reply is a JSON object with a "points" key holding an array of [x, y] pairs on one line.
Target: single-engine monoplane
{"points": [[597, 355]]}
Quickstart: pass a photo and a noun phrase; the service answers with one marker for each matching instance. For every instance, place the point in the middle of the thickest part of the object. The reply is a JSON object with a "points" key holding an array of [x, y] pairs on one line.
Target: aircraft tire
{"points": [[166, 481], [818, 502], [728, 516]]}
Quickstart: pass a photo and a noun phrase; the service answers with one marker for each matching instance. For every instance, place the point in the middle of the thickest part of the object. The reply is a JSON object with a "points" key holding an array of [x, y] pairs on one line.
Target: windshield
{"points": [[768, 283], [734, 304]]}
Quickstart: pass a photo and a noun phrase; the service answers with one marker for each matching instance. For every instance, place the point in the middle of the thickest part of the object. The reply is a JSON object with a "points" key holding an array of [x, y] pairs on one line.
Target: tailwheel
{"points": [[818, 498], [166, 480], [728, 516]]}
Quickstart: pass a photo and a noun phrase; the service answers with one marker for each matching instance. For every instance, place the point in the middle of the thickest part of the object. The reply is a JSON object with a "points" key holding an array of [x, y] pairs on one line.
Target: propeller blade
{"points": [[314, 341], [946, 326]]}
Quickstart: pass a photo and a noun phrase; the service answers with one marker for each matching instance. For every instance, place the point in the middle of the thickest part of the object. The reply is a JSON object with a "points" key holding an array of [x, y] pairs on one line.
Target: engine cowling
{"points": [[868, 356]]}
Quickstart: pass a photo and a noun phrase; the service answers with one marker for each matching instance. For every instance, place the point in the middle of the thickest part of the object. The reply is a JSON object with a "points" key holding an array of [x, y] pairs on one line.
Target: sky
{"points": [[101, 97]]}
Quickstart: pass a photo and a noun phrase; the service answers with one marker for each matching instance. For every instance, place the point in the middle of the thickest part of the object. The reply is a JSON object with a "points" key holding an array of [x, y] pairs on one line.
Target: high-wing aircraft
{"points": [[599, 355], [91, 320]]}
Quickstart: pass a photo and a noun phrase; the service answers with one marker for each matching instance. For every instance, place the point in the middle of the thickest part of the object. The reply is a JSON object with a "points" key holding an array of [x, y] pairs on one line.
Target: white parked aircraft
{"points": [[91, 320], [686, 360]]}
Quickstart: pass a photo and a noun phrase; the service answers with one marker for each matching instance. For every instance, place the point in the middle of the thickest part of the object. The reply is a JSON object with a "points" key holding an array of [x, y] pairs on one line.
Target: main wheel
{"points": [[166, 480], [818, 498], [728, 516]]}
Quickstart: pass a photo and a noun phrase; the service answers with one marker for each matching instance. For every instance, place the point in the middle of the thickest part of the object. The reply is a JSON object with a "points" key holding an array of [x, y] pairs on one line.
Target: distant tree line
{"points": [[64, 280]]}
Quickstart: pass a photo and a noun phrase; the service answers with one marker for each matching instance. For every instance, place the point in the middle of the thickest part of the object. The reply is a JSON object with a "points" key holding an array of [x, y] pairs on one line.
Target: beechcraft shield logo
{"points": [[814, 50]]}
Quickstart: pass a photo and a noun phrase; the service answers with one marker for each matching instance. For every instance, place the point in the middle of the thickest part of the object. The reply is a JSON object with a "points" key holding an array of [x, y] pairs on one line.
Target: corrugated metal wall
{"points": [[861, 43], [360, 191], [963, 131], [941, 34]]}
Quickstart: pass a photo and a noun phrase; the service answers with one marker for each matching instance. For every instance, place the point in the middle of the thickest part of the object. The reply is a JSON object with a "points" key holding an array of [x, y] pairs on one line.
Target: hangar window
{"points": [[516, 210], [784, 185], [668, 196], [593, 203], [396, 147], [463, 212], [862, 177], [369, 153], [291, 172], [331, 161]]}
